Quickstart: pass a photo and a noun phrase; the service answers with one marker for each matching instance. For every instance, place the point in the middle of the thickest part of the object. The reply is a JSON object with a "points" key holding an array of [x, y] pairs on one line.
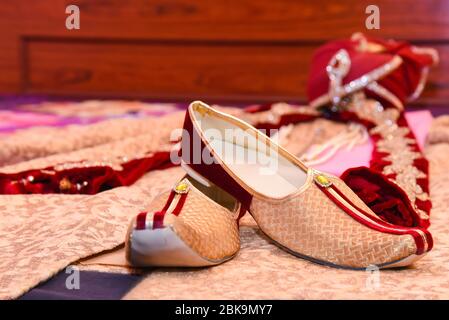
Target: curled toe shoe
{"points": [[191, 225], [311, 214]]}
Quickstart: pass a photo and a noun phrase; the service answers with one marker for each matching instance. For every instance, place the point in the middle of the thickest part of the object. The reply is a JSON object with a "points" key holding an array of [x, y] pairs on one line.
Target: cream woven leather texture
{"points": [[206, 227], [311, 224]]}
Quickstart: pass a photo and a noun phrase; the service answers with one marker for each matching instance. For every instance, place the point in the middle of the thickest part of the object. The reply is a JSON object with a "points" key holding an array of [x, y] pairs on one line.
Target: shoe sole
{"points": [[164, 248]]}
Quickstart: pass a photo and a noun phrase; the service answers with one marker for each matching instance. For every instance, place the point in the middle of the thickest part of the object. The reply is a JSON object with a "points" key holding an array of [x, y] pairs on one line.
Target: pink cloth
{"points": [[360, 155], [14, 119]]}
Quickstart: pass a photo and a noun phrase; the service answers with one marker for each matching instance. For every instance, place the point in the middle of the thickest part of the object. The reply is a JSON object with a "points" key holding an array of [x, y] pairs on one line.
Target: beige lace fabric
{"points": [[41, 142], [42, 234], [98, 108]]}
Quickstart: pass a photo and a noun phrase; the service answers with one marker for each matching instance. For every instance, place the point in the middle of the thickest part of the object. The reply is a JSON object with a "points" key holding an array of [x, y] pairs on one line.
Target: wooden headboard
{"points": [[220, 50]]}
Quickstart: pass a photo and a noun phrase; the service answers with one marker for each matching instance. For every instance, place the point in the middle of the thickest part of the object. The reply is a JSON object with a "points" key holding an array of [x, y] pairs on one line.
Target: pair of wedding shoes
{"points": [[231, 168]]}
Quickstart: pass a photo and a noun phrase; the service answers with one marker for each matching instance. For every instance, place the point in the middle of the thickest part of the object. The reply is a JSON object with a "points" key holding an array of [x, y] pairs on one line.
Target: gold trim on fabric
{"points": [[360, 82], [386, 94]]}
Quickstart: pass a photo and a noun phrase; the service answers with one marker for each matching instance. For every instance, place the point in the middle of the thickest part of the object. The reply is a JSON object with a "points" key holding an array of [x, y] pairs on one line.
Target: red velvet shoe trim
{"points": [[141, 221], [384, 197], [379, 225], [429, 239], [180, 204], [213, 172], [158, 218]]}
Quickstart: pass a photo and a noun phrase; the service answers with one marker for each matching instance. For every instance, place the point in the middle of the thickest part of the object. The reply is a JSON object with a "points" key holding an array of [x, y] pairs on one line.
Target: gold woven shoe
{"points": [[311, 214], [192, 225]]}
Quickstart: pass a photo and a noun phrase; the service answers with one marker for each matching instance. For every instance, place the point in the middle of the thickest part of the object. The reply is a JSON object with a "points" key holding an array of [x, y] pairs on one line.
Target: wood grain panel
{"points": [[184, 71], [188, 70], [178, 49], [249, 20], [437, 89]]}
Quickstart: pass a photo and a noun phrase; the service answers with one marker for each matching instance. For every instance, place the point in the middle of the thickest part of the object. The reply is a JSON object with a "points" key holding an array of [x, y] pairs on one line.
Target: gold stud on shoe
{"points": [[181, 187], [322, 180]]}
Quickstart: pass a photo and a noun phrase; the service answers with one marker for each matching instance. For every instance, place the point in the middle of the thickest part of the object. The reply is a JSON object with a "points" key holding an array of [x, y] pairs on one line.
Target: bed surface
{"points": [[261, 270]]}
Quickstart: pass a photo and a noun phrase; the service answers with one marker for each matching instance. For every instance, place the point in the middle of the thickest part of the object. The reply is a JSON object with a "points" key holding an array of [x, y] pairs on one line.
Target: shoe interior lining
{"points": [[216, 194], [258, 164]]}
